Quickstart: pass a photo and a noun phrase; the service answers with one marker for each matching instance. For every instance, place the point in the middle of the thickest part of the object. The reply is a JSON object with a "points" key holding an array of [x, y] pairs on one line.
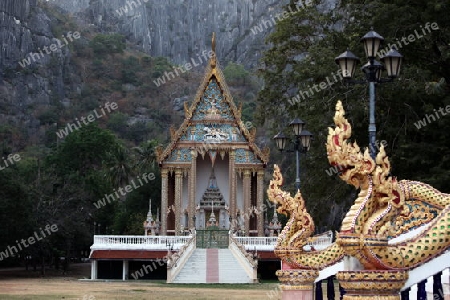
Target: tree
{"points": [[108, 43], [117, 122], [119, 167], [16, 214], [236, 73], [145, 156], [84, 150], [301, 58]]}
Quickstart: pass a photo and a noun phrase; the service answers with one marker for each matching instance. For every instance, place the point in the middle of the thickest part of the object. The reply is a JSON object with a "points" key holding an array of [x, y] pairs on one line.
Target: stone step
{"points": [[212, 266]]}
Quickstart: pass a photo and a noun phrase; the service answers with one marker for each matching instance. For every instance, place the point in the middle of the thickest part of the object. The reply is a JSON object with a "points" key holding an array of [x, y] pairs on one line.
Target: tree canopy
{"points": [[61, 186], [301, 57]]}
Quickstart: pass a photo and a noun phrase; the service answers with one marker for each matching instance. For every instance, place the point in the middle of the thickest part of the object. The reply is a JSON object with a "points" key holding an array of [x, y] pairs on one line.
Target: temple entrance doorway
{"points": [[213, 237]]}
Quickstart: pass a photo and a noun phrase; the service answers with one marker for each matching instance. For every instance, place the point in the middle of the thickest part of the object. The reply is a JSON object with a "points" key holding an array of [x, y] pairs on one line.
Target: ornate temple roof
{"points": [[213, 125]]}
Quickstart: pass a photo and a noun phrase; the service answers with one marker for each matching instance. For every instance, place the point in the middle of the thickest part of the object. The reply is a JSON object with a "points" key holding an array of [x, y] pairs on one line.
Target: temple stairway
{"points": [[212, 266]]}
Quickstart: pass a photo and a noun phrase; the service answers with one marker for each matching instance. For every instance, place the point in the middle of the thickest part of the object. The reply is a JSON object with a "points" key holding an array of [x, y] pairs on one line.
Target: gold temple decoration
{"points": [[298, 230], [385, 208], [360, 285], [297, 279], [366, 228]]}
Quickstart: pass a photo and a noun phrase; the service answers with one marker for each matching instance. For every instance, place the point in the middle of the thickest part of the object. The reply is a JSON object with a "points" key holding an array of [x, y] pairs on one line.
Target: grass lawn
{"points": [[17, 285]]}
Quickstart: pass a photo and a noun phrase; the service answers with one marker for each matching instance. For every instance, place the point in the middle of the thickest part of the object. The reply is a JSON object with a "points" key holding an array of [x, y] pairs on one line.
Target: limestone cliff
{"points": [[24, 28], [177, 29], [182, 29]]}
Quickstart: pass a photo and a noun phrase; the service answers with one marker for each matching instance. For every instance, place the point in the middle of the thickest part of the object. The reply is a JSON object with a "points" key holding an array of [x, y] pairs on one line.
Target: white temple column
{"points": [[125, 270], [94, 271], [247, 193], [178, 193], [164, 200], [259, 202]]}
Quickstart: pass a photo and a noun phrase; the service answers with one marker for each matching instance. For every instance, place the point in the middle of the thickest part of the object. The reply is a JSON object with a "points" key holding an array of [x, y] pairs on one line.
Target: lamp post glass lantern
{"points": [[280, 141], [347, 61], [297, 126], [305, 137], [393, 61], [372, 69], [372, 42], [302, 143]]}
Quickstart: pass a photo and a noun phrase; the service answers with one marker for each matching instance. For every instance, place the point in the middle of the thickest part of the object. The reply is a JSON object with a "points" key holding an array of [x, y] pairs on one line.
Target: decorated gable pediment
{"points": [[212, 105], [212, 122]]}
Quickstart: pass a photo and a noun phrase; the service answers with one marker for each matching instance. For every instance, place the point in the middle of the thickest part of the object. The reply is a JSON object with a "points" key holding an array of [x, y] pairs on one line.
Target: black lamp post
{"points": [[372, 69], [302, 143]]}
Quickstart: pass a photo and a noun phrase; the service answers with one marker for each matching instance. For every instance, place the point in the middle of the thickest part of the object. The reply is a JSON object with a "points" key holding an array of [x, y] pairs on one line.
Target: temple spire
{"points": [[149, 214], [212, 60], [213, 42], [151, 227]]}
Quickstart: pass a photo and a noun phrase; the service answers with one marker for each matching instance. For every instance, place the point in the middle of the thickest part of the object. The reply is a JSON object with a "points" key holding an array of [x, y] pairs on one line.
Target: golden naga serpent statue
{"points": [[385, 209], [298, 229]]}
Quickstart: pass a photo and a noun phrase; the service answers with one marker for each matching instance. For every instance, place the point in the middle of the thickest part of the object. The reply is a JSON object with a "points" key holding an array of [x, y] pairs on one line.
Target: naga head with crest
{"points": [[357, 168]]}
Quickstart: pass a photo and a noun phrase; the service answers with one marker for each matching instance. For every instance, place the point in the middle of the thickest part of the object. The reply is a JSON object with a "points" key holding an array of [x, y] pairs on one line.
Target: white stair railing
{"points": [[428, 269], [245, 259], [257, 242], [176, 261]]}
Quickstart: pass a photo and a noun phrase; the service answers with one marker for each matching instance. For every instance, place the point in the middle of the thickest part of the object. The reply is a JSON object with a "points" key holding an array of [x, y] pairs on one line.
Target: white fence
{"points": [[138, 242], [257, 243], [141, 242]]}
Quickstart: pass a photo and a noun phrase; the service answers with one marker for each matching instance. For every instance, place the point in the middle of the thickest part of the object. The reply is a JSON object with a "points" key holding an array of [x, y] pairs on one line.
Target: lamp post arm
{"points": [[384, 80], [372, 125], [297, 163], [297, 180], [354, 81]]}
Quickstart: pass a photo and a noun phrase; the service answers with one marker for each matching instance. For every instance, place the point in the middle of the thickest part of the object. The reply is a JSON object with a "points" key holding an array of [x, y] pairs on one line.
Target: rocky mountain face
{"points": [[181, 29], [24, 29], [33, 79]]}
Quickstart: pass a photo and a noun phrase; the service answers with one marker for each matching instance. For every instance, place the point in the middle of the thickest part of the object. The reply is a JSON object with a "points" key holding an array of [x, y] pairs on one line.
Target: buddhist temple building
{"points": [[212, 166], [212, 210]]}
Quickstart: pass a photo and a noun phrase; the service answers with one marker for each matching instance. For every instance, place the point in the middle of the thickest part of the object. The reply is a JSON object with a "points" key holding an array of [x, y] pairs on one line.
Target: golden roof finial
{"points": [[213, 49]]}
